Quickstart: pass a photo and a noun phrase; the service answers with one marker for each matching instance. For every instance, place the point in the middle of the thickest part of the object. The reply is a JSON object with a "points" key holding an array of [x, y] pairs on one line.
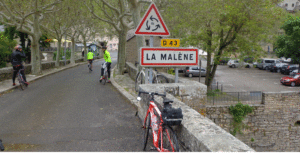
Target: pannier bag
{"points": [[172, 116]]}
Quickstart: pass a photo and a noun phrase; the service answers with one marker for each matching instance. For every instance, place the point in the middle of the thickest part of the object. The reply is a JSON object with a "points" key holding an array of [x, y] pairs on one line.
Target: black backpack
{"points": [[171, 116]]}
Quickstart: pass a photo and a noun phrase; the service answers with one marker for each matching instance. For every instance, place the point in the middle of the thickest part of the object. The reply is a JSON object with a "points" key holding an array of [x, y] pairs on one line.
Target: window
{"points": [[269, 61], [195, 68], [293, 5], [286, 4], [110, 45], [147, 42]]}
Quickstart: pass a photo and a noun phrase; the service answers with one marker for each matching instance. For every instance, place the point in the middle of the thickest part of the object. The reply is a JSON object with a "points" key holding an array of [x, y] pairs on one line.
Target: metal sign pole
{"points": [[176, 75], [150, 73], [200, 70]]}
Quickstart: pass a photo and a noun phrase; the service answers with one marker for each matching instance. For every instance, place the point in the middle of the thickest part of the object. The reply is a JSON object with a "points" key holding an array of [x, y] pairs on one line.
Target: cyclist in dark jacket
{"points": [[16, 62]]}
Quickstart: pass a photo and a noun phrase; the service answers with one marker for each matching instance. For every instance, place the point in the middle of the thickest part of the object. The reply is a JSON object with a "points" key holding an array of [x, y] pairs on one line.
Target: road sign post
{"points": [[152, 24]]}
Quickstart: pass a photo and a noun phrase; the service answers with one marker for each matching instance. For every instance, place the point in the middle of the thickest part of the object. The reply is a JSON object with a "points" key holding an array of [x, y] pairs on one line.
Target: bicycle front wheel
{"points": [[22, 84], [160, 79], [147, 131], [169, 139], [140, 79]]}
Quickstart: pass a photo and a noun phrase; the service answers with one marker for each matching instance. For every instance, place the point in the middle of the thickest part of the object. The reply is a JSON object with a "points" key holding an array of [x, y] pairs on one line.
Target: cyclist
{"points": [[16, 62], [90, 58], [107, 58]]}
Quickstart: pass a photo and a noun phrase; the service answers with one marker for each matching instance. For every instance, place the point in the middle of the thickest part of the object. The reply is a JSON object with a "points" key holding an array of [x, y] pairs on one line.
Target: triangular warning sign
{"points": [[152, 23]]}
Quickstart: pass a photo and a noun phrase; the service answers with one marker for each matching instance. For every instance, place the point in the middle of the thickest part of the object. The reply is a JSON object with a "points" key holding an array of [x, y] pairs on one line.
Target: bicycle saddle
{"points": [[166, 100]]}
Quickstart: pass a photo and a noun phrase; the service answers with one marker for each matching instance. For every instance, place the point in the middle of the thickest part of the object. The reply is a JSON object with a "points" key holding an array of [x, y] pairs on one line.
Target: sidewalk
{"points": [[6, 85], [125, 85]]}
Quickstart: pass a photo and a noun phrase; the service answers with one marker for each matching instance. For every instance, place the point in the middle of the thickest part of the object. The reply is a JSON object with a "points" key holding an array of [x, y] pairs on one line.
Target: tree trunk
{"points": [[85, 49], [122, 51], [136, 16], [58, 52], [35, 51], [35, 56], [208, 78], [72, 60]]}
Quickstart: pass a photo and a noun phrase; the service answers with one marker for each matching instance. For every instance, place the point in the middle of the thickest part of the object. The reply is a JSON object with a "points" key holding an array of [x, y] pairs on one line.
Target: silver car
{"points": [[237, 63], [194, 71]]}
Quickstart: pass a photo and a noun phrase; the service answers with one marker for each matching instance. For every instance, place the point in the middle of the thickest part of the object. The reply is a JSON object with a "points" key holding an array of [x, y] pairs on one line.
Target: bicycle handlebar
{"points": [[152, 93], [1, 146]]}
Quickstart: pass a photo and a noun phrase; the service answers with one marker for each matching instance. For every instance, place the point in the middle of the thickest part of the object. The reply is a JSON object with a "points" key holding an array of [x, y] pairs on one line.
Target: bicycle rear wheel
{"points": [[21, 82], [169, 139], [140, 79], [147, 132], [104, 78], [160, 79]]}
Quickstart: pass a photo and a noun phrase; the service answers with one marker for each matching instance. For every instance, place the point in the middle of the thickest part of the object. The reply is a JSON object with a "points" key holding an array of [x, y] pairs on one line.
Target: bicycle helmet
{"points": [[18, 47]]}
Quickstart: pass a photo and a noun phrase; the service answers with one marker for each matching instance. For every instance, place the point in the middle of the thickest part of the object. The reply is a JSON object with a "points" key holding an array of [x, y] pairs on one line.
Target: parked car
{"points": [[265, 63], [194, 71], [236, 63], [286, 69], [291, 80], [224, 61], [276, 67], [294, 72]]}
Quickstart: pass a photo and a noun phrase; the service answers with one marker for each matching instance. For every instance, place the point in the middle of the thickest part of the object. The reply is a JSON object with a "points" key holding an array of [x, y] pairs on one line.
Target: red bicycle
{"points": [[164, 138]]}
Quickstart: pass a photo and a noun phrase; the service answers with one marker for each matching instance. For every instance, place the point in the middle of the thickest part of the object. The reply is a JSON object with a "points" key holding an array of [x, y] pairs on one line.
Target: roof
{"points": [[130, 34]]}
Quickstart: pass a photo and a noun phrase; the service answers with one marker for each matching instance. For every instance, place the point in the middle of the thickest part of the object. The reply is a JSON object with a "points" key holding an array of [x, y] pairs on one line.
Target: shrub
{"points": [[61, 54], [6, 47]]}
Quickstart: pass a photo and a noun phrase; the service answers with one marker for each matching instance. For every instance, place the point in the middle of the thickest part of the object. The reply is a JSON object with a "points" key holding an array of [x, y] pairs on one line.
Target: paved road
{"points": [[69, 111]]}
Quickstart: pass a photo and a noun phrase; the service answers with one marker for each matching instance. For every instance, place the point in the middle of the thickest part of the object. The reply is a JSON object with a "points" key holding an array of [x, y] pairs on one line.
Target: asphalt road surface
{"points": [[69, 111], [248, 79]]}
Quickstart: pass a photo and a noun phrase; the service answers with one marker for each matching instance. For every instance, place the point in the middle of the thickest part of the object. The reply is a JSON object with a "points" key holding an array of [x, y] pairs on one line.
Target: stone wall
{"points": [[196, 133], [7, 72], [272, 126]]}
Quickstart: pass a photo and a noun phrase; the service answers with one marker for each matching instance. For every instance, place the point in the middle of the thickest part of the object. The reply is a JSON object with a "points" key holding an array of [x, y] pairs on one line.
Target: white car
{"points": [[294, 72], [236, 63]]}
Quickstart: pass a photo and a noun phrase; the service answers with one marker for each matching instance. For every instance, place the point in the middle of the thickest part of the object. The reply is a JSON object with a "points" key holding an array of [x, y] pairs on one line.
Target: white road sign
{"points": [[152, 23], [168, 57]]}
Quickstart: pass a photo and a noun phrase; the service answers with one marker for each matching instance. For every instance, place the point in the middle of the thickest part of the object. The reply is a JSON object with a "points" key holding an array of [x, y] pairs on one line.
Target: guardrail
{"points": [[226, 98]]}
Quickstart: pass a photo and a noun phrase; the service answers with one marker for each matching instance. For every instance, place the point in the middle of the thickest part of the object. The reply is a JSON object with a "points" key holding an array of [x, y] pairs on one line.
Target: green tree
{"points": [[6, 46], [288, 44], [223, 27]]}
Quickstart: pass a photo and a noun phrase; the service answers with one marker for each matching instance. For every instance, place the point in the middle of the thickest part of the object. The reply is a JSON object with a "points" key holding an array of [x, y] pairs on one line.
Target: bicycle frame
{"points": [[157, 129], [19, 75]]}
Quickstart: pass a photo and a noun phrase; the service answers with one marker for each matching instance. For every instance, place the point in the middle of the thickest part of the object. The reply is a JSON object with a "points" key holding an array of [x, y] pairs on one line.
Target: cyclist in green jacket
{"points": [[107, 58], [90, 58]]}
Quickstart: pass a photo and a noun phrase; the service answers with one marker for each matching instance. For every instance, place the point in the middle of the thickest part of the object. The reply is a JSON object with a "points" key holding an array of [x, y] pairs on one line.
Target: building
{"points": [[290, 5], [131, 45]]}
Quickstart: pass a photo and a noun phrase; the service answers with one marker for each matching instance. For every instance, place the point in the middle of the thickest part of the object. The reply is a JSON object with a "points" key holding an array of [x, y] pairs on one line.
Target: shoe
{"points": [[14, 84], [101, 79], [26, 83], [108, 81]]}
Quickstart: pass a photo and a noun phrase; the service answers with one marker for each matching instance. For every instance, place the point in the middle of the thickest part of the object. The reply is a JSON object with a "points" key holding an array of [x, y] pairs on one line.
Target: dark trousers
{"points": [[108, 70], [16, 70]]}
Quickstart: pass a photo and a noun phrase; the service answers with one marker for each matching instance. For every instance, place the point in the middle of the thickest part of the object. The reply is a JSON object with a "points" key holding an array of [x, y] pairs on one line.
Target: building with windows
{"points": [[290, 5]]}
